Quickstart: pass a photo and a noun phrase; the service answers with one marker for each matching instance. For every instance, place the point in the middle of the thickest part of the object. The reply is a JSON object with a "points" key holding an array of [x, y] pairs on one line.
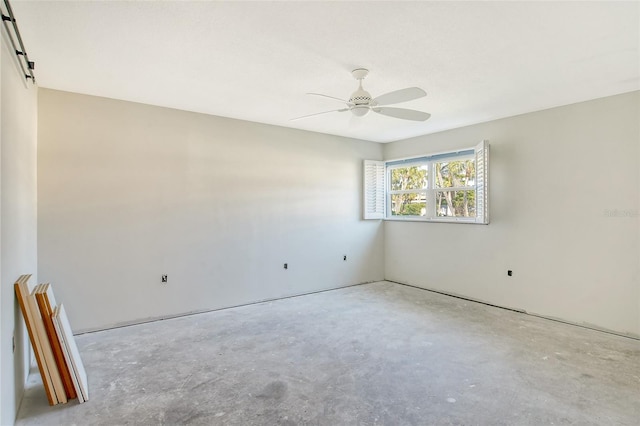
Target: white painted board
{"points": [[28, 312], [71, 353]]}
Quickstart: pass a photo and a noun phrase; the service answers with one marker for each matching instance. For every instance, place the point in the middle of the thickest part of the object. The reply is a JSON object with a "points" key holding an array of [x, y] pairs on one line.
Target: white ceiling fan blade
{"points": [[330, 97], [402, 95], [318, 113], [405, 114]]}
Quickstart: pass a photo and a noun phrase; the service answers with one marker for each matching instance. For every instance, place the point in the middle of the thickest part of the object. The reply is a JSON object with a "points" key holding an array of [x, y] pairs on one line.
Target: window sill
{"points": [[428, 220]]}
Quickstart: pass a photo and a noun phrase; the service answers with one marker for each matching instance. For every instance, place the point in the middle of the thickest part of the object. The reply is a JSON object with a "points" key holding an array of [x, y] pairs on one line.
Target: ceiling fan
{"points": [[360, 102]]}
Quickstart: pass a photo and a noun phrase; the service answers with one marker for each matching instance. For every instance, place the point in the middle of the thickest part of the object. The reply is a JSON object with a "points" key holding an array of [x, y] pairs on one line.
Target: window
{"points": [[407, 192], [447, 187], [455, 187]]}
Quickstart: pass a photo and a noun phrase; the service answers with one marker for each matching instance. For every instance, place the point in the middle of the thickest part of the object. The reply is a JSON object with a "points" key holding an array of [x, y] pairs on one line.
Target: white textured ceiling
{"points": [[255, 61]]}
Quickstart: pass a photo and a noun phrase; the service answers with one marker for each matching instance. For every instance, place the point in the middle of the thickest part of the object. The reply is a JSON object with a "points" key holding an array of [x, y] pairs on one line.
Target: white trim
{"points": [[431, 154], [410, 191], [440, 219]]}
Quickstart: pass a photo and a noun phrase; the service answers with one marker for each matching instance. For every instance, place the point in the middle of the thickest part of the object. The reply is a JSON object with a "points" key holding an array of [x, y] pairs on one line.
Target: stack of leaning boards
{"points": [[55, 350]]}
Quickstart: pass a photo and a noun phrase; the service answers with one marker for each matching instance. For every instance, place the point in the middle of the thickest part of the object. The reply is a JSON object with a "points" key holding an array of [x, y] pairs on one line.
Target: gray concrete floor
{"points": [[379, 353]]}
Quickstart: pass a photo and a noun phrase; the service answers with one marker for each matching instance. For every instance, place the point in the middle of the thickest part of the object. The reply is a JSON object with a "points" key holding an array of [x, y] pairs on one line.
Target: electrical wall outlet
{"points": [[286, 266], [164, 279]]}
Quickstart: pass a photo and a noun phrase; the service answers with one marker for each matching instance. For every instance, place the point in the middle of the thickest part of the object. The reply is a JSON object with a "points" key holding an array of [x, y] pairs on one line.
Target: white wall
{"points": [[18, 141], [564, 217], [128, 192]]}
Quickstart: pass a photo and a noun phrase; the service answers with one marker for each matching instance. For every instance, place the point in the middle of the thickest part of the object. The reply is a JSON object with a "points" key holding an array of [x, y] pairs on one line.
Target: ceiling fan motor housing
{"points": [[361, 99]]}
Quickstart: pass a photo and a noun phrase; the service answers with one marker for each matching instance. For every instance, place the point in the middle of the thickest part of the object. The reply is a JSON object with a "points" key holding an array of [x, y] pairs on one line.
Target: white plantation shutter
{"points": [[374, 172], [482, 182]]}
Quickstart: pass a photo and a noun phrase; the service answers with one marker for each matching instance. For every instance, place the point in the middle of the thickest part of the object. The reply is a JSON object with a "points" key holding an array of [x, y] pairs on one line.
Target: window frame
{"points": [[388, 192], [430, 192]]}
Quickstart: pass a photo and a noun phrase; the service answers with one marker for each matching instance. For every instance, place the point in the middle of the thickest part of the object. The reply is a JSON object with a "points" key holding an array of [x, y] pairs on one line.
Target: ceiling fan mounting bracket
{"points": [[360, 73]]}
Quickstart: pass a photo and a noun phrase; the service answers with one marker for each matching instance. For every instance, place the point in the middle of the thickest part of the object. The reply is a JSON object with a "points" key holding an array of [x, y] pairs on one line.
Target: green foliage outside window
{"points": [[404, 179], [414, 209]]}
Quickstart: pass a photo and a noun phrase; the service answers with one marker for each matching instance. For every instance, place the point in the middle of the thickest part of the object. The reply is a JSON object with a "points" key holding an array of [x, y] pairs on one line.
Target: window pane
{"points": [[412, 204], [455, 173], [413, 177], [456, 203]]}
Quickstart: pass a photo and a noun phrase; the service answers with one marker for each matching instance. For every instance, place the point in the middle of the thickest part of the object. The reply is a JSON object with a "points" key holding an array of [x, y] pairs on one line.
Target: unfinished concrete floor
{"points": [[379, 353]]}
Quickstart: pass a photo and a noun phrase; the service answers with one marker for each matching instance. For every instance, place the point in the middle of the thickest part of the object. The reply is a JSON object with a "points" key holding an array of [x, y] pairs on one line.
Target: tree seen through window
{"points": [[456, 196], [411, 182]]}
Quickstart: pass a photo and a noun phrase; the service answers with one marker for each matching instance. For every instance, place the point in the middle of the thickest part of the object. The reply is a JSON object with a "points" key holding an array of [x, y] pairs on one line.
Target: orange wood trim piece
{"points": [[46, 303]]}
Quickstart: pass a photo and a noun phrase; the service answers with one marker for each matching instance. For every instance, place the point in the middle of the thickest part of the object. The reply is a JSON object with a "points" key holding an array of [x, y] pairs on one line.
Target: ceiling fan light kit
{"points": [[360, 102]]}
